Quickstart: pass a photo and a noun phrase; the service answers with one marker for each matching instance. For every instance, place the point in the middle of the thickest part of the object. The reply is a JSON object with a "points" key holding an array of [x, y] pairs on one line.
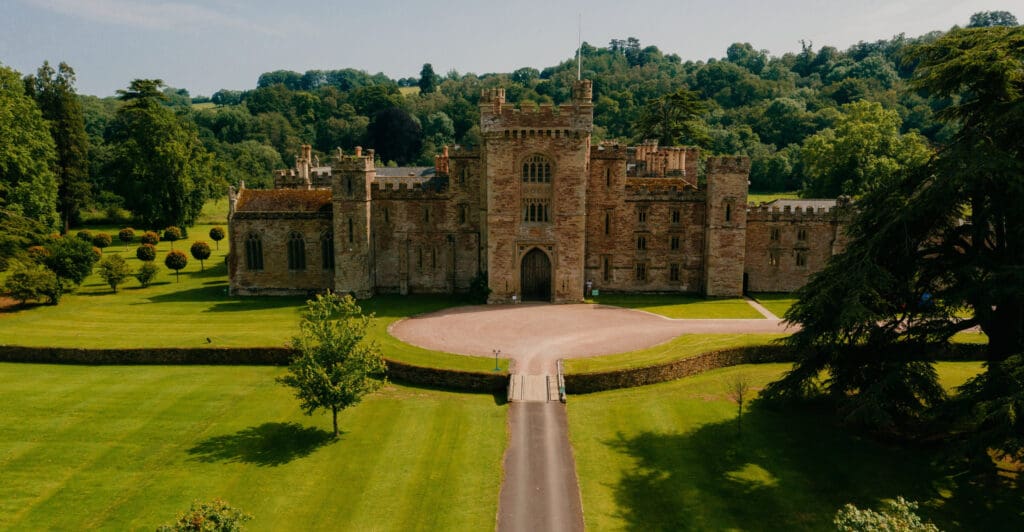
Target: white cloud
{"points": [[148, 15]]}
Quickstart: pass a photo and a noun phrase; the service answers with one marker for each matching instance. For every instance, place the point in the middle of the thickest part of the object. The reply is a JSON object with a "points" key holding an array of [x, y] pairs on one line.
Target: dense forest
{"points": [[823, 121]]}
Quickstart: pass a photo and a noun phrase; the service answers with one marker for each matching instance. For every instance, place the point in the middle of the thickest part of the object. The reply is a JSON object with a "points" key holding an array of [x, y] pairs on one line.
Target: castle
{"points": [[537, 210]]}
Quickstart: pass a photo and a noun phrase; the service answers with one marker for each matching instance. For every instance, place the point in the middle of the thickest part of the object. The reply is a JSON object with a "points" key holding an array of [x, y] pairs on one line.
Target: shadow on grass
{"points": [[793, 471], [269, 444], [215, 293]]}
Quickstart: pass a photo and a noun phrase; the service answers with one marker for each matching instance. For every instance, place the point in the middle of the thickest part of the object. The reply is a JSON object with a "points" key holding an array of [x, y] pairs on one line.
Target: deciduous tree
{"points": [[114, 270], [334, 365], [176, 260], [200, 251]]}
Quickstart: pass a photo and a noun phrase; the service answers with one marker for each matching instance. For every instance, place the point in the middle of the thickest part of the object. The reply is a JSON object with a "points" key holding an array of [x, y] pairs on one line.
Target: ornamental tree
{"points": [[217, 234], [102, 240], [172, 234], [214, 516], [71, 259], [200, 251], [334, 367], [146, 273], [146, 253], [126, 235], [176, 260], [114, 270], [150, 237]]}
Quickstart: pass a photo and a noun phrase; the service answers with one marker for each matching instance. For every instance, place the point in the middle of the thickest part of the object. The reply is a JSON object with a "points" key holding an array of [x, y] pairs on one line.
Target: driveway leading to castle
{"points": [[535, 335]]}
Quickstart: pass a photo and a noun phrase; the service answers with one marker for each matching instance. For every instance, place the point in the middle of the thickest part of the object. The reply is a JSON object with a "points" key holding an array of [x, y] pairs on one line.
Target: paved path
{"points": [[540, 491], [535, 335], [761, 308]]}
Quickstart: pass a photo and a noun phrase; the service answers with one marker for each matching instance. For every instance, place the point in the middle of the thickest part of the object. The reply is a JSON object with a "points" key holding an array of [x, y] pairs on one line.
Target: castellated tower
{"points": [[535, 164], [354, 260], [726, 226]]}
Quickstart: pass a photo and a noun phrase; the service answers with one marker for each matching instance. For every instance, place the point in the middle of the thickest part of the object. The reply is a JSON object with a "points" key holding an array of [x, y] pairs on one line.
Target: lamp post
{"points": [[496, 353]]}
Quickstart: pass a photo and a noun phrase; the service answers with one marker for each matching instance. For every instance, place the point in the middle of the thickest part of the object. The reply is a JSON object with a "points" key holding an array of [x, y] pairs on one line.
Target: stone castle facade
{"points": [[537, 210]]}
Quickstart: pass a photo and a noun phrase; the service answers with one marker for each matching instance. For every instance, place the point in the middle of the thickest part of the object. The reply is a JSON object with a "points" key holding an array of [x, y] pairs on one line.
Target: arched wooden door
{"points": [[535, 276]]}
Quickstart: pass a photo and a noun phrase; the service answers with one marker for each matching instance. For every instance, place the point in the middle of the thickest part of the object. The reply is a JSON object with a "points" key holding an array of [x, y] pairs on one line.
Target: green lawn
{"points": [[680, 347], [680, 306], [776, 302], [121, 448], [666, 457], [188, 311]]}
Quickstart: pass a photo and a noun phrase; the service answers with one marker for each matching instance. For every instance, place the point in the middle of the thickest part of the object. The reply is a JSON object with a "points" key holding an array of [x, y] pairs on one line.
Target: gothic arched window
{"points": [[327, 250], [537, 169], [254, 252], [296, 252]]}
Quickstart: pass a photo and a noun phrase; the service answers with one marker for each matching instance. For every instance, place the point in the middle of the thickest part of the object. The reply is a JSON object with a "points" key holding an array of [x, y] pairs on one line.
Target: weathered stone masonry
{"points": [[537, 209]]}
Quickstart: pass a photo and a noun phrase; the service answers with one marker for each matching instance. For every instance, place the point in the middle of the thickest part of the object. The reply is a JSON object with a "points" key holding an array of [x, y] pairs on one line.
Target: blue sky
{"points": [[208, 45]]}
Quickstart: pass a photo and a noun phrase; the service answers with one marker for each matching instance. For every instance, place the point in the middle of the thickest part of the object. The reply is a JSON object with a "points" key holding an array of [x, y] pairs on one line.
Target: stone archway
{"points": [[535, 276]]}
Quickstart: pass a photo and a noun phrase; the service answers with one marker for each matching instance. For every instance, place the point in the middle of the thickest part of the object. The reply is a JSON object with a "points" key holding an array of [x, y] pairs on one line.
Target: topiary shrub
{"points": [[200, 251], [146, 273], [126, 235], [114, 270], [102, 240], [146, 253], [150, 237], [176, 261], [172, 234], [217, 234], [85, 235], [214, 516]]}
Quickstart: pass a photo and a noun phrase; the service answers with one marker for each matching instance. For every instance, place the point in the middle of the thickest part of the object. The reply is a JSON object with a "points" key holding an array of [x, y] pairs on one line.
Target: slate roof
{"points": [[407, 171], [284, 200]]}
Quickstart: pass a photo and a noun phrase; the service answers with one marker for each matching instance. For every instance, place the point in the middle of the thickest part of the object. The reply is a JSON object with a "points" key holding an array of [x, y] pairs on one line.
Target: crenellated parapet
{"points": [[416, 190], [728, 165], [569, 120], [818, 211], [665, 189]]}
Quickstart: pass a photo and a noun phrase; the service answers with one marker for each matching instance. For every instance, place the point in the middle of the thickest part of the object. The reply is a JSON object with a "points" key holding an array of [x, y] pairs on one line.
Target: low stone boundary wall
{"points": [[677, 369], [245, 356]]}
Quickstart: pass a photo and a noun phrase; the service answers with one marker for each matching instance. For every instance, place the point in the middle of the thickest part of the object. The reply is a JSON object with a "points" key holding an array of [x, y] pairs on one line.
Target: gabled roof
{"points": [[284, 200]]}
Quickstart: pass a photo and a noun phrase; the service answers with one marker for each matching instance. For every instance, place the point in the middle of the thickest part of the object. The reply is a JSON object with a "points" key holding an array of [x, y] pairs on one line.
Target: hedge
{"points": [[233, 356], [677, 369]]}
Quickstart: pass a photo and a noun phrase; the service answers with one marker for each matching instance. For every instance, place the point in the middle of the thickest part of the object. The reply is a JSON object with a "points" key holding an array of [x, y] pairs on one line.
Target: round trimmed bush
{"points": [[146, 253], [172, 234], [200, 251], [150, 237], [126, 235], [38, 253], [85, 235], [217, 234], [176, 260], [102, 240]]}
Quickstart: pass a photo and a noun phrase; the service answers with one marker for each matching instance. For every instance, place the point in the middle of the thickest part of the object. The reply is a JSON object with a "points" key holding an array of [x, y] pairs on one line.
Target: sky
{"points": [[204, 46]]}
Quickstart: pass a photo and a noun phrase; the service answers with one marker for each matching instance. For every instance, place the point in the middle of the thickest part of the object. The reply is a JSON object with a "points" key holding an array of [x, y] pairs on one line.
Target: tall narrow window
{"points": [[607, 223], [296, 252], [675, 216], [673, 272], [607, 269], [351, 232], [607, 177], [728, 212], [462, 175], [641, 215], [419, 258], [801, 235], [773, 258], [537, 169], [641, 243], [348, 185], [462, 213], [327, 250], [801, 259], [254, 253], [426, 215], [673, 242], [641, 271], [774, 235], [387, 215]]}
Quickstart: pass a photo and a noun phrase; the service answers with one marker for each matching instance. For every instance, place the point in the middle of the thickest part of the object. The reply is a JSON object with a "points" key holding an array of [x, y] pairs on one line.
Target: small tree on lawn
{"points": [[84, 235], [146, 253], [102, 240], [114, 270], [899, 515], [172, 234], [200, 251], [739, 388], [126, 235], [176, 260], [214, 516], [71, 259], [150, 237], [333, 366], [147, 272], [217, 234]]}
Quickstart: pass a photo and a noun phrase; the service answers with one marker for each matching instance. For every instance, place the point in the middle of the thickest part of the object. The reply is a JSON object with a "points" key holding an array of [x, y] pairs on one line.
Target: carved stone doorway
{"points": [[535, 276]]}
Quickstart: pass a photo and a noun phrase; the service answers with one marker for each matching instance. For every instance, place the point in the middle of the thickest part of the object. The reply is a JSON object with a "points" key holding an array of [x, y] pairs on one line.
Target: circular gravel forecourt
{"points": [[535, 335]]}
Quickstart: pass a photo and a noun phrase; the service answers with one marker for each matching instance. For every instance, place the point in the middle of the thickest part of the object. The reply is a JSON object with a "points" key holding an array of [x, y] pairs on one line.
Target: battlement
{"points": [[358, 162], [643, 189], [409, 190], [790, 213], [728, 165], [563, 121]]}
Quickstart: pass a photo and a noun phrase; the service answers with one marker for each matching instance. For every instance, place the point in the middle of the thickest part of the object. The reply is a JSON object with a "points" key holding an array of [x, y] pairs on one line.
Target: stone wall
{"points": [[274, 231], [725, 226], [785, 246]]}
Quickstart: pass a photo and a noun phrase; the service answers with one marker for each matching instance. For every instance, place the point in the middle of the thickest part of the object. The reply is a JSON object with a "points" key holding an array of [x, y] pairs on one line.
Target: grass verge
{"points": [[680, 347], [680, 306], [122, 448], [776, 302], [667, 457]]}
